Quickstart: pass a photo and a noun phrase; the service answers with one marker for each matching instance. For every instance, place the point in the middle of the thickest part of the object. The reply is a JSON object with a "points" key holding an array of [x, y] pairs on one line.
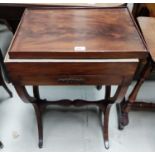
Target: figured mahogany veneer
{"points": [[55, 33]]}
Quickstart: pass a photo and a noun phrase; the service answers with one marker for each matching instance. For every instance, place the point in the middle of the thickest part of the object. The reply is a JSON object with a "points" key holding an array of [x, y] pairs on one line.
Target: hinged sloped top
{"points": [[77, 33]]}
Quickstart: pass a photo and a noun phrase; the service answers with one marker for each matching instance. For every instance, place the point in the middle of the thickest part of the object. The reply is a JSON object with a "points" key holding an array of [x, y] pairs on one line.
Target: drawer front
{"points": [[69, 80], [70, 73]]}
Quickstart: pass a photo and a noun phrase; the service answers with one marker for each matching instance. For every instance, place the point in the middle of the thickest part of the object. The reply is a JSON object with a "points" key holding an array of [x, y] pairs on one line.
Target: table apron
{"points": [[70, 73]]}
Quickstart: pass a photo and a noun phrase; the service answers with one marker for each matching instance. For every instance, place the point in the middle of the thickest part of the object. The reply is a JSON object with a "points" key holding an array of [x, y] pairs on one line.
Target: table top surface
{"points": [[77, 33]]}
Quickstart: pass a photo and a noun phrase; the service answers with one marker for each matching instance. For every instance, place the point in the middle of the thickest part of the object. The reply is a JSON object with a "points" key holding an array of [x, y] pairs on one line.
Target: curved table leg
{"points": [[106, 112], [22, 92], [107, 97], [38, 113], [105, 108], [105, 127]]}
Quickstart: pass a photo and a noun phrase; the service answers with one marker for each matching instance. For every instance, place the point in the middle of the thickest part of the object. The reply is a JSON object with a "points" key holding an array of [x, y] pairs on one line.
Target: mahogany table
{"points": [[75, 46]]}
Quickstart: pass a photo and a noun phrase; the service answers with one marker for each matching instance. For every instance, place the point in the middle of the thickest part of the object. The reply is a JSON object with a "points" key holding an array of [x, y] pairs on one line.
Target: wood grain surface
{"points": [[54, 33]]}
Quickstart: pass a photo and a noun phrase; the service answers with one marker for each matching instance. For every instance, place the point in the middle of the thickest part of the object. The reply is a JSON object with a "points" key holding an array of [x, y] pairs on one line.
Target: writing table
{"points": [[75, 46]]}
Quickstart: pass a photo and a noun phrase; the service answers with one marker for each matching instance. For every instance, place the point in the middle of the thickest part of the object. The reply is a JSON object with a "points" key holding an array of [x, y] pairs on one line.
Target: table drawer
{"points": [[69, 80], [70, 73]]}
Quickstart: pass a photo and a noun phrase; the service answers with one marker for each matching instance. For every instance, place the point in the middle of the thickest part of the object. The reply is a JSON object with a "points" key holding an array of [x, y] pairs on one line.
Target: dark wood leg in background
{"points": [[99, 87], [3, 68], [4, 85], [36, 92], [145, 74], [1, 145], [7, 89], [122, 117], [107, 92], [125, 106]]}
